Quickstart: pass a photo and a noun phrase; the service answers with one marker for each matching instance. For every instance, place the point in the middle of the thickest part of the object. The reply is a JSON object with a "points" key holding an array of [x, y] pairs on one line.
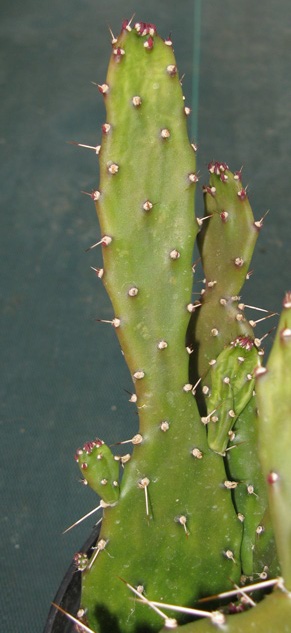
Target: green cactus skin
{"points": [[272, 615], [158, 535], [273, 386]]}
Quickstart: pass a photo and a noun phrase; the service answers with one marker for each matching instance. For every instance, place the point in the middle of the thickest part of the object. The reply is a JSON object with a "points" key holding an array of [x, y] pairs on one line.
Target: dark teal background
{"points": [[63, 376]]}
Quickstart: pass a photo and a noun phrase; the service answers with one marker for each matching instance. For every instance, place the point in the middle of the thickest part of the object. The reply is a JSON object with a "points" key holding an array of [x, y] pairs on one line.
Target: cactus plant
{"points": [[198, 505]]}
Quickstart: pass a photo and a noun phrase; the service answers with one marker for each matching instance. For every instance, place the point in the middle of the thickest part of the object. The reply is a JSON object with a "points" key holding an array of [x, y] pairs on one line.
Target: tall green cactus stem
{"points": [[157, 534], [273, 385]]}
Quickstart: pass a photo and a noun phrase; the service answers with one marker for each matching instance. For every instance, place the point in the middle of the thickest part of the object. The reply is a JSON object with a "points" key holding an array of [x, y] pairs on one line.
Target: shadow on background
{"points": [[63, 376]]}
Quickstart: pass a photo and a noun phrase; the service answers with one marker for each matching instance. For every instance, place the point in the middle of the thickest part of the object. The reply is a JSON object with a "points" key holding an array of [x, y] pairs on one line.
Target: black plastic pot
{"points": [[69, 593]]}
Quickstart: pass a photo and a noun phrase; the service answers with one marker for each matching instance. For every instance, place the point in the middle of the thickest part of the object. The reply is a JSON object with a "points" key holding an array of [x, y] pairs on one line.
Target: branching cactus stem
{"points": [[201, 506]]}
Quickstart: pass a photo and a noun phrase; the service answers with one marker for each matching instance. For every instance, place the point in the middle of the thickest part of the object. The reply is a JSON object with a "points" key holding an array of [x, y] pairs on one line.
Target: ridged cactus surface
{"points": [[186, 516]]}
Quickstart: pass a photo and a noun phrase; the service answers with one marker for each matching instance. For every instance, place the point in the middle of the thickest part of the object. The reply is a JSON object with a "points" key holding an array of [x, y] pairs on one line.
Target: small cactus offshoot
{"points": [[195, 520]]}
